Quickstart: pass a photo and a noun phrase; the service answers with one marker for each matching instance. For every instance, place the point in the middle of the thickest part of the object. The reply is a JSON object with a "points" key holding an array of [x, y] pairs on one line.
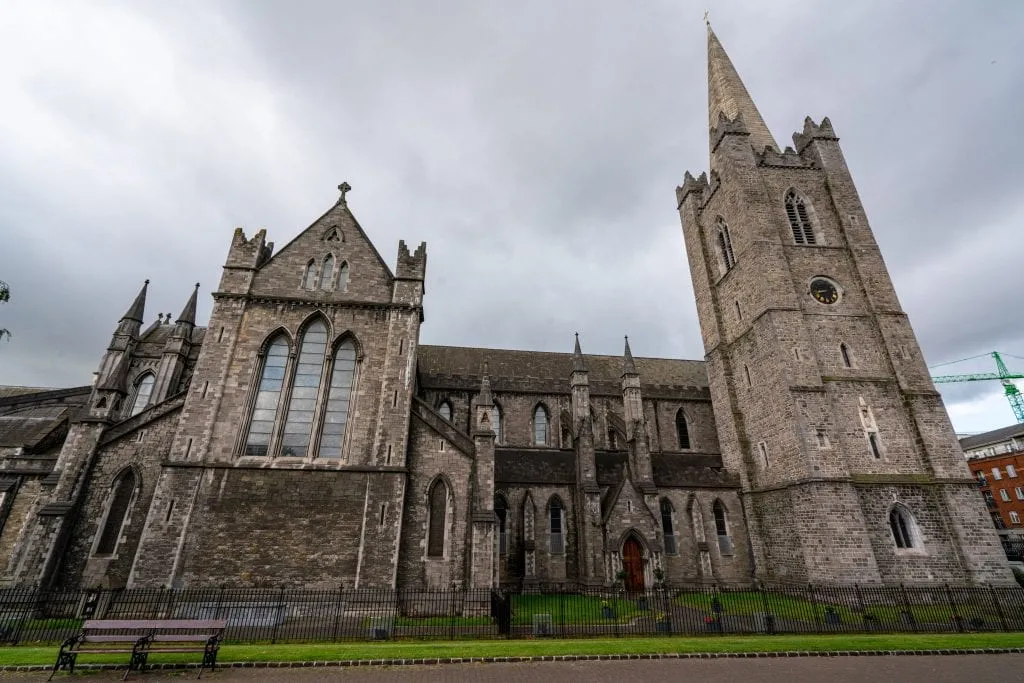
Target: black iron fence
{"points": [[296, 615]]}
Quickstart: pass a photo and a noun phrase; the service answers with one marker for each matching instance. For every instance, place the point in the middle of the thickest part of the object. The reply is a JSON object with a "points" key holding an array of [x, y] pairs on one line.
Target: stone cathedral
{"points": [[304, 437]]}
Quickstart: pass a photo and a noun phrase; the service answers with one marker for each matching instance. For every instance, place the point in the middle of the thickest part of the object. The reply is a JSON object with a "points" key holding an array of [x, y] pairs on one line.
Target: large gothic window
{"points": [[438, 501], [121, 498], [343, 278], [268, 396], [799, 219], [682, 431], [143, 392], [540, 426], [338, 398], [327, 273], [309, 275], [298, 425], [725, 545], [725, 244], [557, 531]]}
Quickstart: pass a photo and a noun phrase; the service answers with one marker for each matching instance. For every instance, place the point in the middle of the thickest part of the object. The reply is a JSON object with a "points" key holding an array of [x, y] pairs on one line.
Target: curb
{"points": [[432, 661]]}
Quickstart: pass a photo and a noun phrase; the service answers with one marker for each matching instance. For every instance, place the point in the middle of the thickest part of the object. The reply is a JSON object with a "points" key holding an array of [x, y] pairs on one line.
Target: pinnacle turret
{"points": [[628, 366], [188, 314], [578, 365], [138, 308], [729, 97]]}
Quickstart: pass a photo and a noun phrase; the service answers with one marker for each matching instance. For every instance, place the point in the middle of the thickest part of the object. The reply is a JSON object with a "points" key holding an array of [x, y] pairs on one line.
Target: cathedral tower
{"points": [[849, 467]]}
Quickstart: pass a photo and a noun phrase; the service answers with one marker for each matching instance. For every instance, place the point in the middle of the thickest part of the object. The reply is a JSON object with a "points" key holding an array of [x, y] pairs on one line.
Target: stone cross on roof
{"points": [[343, 188]]}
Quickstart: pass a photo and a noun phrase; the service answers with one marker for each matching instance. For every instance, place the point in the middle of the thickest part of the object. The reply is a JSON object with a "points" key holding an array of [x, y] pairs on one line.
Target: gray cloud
{"points": [[535, 147]]}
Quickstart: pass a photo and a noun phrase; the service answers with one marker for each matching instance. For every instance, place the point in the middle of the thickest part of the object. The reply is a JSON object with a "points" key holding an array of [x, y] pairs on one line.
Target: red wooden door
{"points": [[633, 564]]}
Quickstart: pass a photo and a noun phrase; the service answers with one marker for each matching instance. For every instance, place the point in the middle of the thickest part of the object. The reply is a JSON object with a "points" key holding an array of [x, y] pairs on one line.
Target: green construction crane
{"points": [[1013, 395]]}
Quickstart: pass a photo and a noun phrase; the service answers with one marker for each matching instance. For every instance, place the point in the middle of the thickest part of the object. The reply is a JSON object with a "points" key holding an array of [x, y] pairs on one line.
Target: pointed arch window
{"points": [[298, 425], [903, 528], [667, 527], [122, 493], [556, 527], [268, 397], [309, 275], [438, 502], [143, 392], [327, 273], [501, 512], [496, 423], [844, 351], [445, 410], [540, 426], [725, 244], [725, 545], [682, 430], [339, 396], [343, 277], [799, 219]]}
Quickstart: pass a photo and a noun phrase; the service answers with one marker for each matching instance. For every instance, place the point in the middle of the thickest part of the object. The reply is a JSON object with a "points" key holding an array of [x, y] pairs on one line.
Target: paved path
{"points": [[929, 669]]}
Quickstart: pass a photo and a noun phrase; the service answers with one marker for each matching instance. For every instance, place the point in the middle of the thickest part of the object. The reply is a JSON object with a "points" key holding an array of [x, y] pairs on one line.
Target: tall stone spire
{"points": [[727, 95]]}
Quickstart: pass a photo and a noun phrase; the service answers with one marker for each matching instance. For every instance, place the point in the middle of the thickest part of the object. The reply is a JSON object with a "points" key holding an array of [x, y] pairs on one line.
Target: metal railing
{"points": [[29, 615]]}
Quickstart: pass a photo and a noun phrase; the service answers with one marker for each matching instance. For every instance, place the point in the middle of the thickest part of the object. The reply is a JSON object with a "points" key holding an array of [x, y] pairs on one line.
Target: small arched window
{"points": [[327, 273], [844, 351], [667, 528], [122, 493], [501, 512], [540, 426], [298, 424], [496, 423], [143, 392], [445, 410], [438, 500], [799, 219], [682, 430], [556, 528], [338, 400], [309, 275], [725, 545], [725, 243], [343, 278], [268, 397], [903, 527]]}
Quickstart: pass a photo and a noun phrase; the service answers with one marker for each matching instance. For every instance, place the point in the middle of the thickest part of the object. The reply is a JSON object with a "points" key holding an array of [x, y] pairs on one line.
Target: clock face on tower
{"points": [[824, 290]]}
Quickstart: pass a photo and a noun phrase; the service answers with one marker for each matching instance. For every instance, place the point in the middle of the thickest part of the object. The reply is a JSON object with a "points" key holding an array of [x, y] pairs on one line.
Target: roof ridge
{"points": [[558, 353]]}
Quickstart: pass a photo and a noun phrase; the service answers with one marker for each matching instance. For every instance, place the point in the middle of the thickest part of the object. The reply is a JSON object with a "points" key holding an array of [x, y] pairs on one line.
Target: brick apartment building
{"points": [[996, 458]]}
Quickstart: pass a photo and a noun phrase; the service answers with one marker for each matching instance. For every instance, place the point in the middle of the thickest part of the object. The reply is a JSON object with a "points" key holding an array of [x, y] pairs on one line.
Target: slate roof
{"points": [[995, 436], [455, 367], [154, 339], [26, 428], [7, 391]]}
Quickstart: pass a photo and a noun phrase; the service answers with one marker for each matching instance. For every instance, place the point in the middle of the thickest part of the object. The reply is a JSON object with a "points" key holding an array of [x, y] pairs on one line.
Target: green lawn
{"points": [[571, 609], [525, 648]]}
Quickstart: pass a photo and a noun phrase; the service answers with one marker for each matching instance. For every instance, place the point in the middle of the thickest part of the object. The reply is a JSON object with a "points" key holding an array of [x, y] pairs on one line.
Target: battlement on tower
{"points": [[727, 126], [813, 131], [789, 158], [698, 185], [249, 253], [411, 265]]}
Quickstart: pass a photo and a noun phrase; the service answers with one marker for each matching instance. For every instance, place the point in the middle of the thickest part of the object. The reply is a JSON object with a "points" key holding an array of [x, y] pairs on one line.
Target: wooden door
{"points": [[633, 564]]}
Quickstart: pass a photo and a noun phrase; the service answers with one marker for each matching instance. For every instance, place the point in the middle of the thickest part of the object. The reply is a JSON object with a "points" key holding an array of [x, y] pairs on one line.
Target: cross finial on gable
{"points": [[343, 188], [707, 20]]}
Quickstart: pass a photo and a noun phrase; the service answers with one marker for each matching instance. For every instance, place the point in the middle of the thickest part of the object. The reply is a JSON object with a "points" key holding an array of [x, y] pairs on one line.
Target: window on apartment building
{"points": [[995, 473], [1020, 493], [981, 478], [1011, 471], [1014, 518], [1005, 495]]}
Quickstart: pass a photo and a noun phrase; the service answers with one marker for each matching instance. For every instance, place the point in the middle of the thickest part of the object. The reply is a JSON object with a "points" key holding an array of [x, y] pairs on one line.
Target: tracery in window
{"points": [[298, 425], [339, 396], [327, 273], [268, 397], [799, 219], [438, 502], [143, 392], [122, 492], [540, 426], [682, 430]]}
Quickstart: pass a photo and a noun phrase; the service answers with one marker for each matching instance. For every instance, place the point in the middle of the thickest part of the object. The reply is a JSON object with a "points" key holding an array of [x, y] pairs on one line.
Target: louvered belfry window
{"points": [[725, 244], [438, 512], [799, 219]]}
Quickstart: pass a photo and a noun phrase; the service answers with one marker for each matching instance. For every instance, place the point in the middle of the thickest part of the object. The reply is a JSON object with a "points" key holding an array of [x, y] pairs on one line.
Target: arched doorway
{"points": [[633, 564]]}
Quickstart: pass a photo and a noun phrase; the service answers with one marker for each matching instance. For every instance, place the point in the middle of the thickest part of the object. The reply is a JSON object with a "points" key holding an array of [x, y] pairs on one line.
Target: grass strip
{"points": [[535, 648]]}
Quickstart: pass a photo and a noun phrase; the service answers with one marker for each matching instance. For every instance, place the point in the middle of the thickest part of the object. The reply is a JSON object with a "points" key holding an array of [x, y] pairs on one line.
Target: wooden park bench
{"points": [[140, 638]]}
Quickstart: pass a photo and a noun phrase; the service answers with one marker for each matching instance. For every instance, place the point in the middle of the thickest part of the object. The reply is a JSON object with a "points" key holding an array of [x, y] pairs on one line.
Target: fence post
{"points": [[999, 608], [220, 601], [277, 621], [815, 607], [561, 611], [957, 620], [337, 614], [451, 615], [860, 607], [906, 608], [769, 618]]}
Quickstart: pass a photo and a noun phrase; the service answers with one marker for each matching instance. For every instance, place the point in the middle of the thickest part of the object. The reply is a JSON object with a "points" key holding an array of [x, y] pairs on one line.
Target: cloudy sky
{"points": [[535, 146]]}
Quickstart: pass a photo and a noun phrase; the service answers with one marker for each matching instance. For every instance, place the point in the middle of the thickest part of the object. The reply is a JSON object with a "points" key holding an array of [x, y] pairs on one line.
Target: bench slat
{"points": [[110, 639], [179, 637], [166, 624]]}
